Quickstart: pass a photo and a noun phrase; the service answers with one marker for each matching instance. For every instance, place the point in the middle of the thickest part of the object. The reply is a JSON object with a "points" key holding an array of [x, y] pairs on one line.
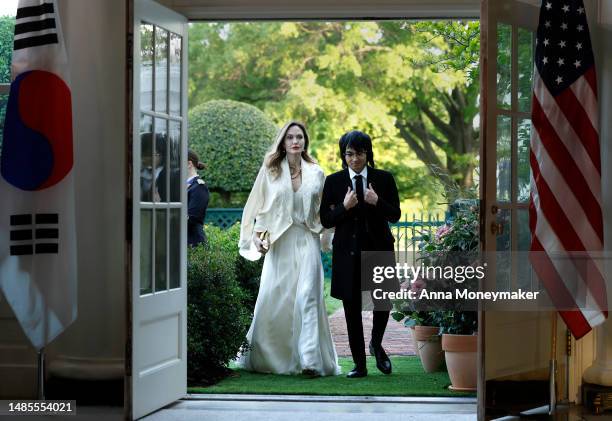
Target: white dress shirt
{"points": [[364, 179]]}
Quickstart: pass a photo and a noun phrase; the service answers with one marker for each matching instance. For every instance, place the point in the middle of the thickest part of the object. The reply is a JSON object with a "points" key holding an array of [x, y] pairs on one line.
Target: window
{"points": [[161, 183]]}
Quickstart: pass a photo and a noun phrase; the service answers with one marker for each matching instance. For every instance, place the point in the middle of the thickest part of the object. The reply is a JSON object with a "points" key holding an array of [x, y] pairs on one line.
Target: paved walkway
{"points": [[397, 339]]}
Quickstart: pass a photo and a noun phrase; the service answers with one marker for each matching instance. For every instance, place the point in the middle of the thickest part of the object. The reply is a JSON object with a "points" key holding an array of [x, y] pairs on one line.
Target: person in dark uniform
{"points": [[197, 200], [359, 202]]}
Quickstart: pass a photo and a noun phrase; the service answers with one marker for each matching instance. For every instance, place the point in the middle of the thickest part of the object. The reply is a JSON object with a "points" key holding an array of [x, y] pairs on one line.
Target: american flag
{"points": [[565, 209]]}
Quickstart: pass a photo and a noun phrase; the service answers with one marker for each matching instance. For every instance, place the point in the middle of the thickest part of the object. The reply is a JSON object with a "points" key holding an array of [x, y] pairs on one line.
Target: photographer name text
{"points": [[458, 294]]}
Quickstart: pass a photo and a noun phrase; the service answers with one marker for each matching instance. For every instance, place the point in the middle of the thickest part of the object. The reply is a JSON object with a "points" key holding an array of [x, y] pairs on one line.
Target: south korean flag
{"points": [[38, 273]]}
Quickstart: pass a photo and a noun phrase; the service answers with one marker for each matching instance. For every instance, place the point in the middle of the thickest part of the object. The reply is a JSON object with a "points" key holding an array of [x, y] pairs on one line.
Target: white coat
{"points": [[270, 205]]}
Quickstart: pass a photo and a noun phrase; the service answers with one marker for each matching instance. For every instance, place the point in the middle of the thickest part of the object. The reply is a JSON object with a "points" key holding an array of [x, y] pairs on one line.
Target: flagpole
{"points": [[41, 374], [549, 411], [553, 365]]}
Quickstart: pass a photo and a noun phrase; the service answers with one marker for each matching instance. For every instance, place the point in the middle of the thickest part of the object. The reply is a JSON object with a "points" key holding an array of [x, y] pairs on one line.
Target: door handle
{"points": [[497, 228]]}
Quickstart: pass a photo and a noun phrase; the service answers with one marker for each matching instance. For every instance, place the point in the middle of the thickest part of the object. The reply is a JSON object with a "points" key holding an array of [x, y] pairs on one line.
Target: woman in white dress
{"points": [[290, 332]]}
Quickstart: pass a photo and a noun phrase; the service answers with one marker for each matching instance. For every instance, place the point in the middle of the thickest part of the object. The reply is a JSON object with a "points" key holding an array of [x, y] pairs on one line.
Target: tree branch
{"points": [[437, 121], [420, 131], [427, 155]]}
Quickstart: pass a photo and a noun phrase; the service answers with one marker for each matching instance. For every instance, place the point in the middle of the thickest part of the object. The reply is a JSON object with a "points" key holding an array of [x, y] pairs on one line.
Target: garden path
{"points": [[397, 339]]}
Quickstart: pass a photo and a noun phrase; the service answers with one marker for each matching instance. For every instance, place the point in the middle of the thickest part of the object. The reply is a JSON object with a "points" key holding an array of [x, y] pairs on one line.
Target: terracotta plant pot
{"points": [[413, 338], [460, 355], [428, 346]]}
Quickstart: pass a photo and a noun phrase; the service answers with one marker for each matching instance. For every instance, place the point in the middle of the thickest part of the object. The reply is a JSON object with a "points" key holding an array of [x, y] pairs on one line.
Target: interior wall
{"points": [[93, 346], [604, 71], [603, 43], [599, 13]]}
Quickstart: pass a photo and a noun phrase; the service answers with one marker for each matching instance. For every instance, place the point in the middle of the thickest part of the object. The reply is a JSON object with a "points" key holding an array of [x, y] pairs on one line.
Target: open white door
{"points": [[515, 345], [159, 286]]}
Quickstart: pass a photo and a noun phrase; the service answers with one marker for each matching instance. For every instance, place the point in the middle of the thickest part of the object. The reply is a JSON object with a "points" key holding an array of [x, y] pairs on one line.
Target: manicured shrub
{"points": [[231, 138], [248, 273], [217, 315]]}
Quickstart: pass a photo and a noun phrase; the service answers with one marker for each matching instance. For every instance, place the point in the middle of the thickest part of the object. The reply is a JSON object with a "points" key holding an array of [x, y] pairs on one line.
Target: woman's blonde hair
{"points": [[277, 151]]}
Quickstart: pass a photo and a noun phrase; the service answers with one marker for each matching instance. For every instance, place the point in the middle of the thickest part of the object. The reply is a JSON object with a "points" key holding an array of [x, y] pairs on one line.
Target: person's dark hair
{"points": [[277, 152], [146, 145], [360, 142], [193, 157]]}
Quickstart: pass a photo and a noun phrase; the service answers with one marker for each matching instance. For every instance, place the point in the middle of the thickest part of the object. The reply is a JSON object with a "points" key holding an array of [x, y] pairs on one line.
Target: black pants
{"points": [[354, 326], [352, 307]]}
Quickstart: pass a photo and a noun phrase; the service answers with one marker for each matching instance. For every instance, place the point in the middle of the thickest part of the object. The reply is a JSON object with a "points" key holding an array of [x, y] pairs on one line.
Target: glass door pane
{"points": [[161, 147], [161, 70], [146, 67], [146, 251], [176, 46]]}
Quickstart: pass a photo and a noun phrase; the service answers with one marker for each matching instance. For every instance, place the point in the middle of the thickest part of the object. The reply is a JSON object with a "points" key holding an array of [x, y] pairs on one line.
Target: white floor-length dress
{"points": [[290, 329]]}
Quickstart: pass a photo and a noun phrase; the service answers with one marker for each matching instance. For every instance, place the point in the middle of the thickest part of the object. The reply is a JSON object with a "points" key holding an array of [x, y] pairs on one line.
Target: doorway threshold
{"points": [[234, 407], [327, 399]]}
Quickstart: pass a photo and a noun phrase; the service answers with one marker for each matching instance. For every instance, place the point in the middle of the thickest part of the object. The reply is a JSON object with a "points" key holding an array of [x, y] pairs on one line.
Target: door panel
{"points": [[515, 344], [159, 288]]}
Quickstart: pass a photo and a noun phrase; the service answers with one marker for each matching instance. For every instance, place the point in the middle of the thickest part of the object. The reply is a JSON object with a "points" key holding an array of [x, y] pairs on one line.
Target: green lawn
{"points": [[331, 304], [408, 379]]}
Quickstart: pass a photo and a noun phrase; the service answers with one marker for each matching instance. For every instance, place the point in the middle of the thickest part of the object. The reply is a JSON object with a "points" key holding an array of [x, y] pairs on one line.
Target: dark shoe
{"points": [[310, 373], [382, 360], [357, 372]]}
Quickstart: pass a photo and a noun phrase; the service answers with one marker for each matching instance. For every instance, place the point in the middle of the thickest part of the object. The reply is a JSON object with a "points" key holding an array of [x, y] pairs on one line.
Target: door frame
{"points": [[231, 10], [488, 185], [393, 9]]}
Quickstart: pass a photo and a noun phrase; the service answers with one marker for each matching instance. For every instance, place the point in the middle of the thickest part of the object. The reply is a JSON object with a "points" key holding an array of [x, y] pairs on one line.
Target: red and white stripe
{"points": [[565, 211]]}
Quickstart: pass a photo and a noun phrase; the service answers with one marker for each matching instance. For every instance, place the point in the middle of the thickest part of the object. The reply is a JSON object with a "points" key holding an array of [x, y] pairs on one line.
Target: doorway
{"points": [[219, 14], [404, 82]]}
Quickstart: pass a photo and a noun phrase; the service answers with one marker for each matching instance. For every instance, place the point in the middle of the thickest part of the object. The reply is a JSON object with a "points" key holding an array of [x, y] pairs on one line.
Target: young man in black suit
{"points": [[359, 202]]}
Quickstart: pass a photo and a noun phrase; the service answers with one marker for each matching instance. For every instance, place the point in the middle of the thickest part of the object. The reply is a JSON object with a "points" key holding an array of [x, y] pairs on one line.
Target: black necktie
{"points": [[359, 189]]}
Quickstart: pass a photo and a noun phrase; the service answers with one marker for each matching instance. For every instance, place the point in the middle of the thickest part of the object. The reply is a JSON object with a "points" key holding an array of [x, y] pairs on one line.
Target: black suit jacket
{"points": [[357, 230]]}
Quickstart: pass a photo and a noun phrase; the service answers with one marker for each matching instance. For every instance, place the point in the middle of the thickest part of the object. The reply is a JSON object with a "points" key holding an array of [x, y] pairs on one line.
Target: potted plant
{"points": [[425, 331], [460, 345], [458, 245]]}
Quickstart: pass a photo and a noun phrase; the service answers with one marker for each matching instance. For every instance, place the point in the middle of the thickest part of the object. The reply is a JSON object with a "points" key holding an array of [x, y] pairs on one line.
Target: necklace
{"points": [[296, 175], [294, 172]]}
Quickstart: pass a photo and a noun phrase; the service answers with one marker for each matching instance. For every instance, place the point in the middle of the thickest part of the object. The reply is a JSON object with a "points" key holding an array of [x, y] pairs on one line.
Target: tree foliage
{"points": [[412, 86], [231, 138], [7, 25]]}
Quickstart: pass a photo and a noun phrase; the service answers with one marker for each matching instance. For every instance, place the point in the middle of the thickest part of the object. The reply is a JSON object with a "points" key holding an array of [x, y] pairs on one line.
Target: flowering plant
{"points": [[453, 244]]}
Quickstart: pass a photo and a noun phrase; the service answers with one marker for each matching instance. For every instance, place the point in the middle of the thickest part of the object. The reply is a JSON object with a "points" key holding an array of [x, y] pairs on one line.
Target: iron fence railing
{"points": [[408, 232]]}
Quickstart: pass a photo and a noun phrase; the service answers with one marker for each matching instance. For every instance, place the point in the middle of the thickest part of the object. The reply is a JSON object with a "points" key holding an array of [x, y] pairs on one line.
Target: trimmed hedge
{"points": [[217, 317], [248, 273], [231, 138], [222, 288]]}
